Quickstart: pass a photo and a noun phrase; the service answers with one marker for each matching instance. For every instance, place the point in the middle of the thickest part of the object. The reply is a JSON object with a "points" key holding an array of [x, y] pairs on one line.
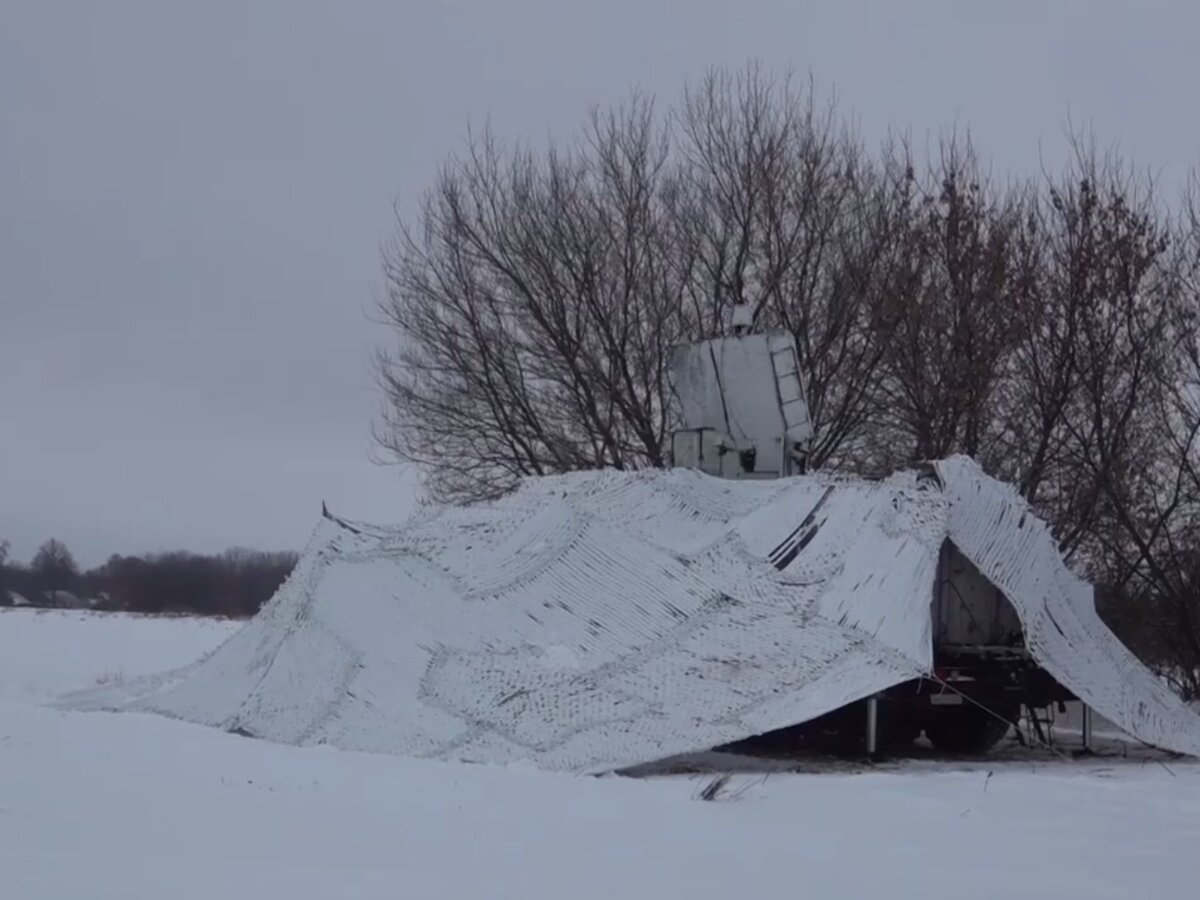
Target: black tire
{"points": [[969, 730]]}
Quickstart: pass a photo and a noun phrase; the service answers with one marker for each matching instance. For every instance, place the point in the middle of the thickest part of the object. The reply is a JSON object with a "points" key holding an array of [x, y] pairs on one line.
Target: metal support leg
{"points": [[872, 727], [1087, 728]]}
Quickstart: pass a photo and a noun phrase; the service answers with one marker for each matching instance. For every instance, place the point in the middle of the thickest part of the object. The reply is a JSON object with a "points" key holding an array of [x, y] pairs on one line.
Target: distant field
{"points": [[44, 653]]}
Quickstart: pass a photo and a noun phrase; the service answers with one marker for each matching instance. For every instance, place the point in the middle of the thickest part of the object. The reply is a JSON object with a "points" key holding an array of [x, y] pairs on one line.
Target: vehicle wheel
{"points": [[969, 730]]}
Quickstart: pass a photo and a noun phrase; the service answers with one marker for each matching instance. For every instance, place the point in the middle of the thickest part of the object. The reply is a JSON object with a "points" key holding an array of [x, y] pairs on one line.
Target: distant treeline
{"points": [[234, 583]]}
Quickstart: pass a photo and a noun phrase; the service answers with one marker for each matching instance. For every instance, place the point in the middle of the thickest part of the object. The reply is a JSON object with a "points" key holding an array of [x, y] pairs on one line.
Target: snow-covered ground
{"points": [[131, 806], [45, 653]]}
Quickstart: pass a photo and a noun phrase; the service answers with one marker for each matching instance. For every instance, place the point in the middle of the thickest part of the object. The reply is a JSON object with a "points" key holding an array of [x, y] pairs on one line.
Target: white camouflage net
{"points": [[599, 620], [995, 528]]}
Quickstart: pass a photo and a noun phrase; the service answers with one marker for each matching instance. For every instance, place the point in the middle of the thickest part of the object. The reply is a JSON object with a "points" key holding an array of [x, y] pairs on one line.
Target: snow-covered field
{"points": [[131, 806]]}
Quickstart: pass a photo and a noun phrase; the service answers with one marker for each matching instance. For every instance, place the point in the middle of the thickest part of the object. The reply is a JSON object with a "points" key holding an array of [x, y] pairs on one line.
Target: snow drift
{"points": [[598, 620]]}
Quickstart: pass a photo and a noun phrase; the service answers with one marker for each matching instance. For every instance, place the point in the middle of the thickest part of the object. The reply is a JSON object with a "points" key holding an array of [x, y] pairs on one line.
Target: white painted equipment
{"points": [[743, 407]]}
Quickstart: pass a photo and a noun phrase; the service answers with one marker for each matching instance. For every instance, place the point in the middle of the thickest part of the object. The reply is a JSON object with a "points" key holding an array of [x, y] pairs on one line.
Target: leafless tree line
{"points": [[234, 583], [1049, 327]]}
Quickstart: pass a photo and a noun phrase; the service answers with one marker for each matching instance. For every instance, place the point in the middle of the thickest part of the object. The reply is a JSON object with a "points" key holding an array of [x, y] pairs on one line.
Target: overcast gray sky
{"points": [[192, 196]]}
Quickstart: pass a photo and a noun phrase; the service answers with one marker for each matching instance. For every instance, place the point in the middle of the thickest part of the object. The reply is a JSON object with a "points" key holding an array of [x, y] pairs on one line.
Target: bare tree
{"points": [[54, 568], [537, 302], [1153, 546], [1094, 352], [536, 307], [951, 314]]}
